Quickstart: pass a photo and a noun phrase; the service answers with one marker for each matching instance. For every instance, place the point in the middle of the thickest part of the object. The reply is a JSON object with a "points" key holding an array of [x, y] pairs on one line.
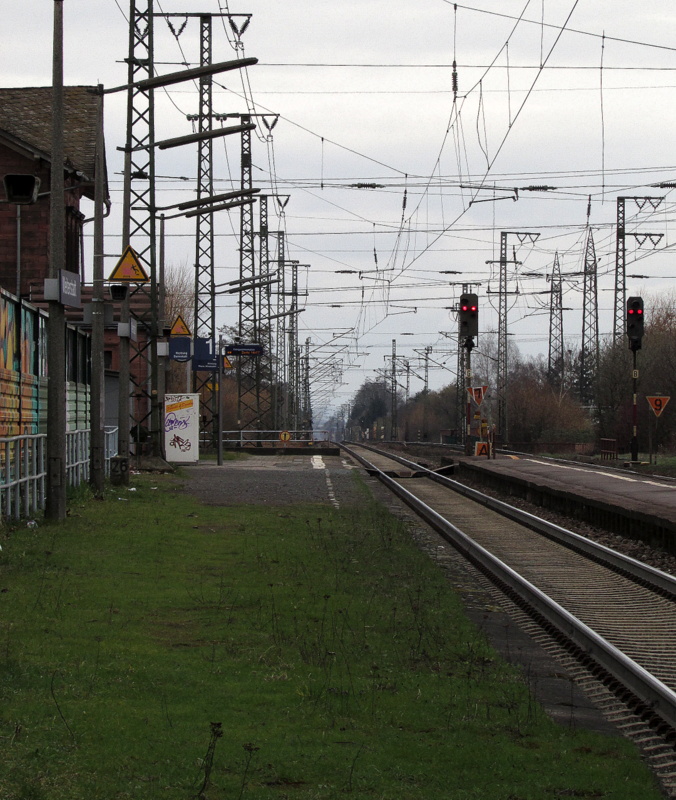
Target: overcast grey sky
{"points": [[364, 91]]}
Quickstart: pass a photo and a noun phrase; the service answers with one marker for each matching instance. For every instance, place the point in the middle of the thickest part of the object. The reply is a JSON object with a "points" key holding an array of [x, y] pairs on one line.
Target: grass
{"points": [[154, 648]]}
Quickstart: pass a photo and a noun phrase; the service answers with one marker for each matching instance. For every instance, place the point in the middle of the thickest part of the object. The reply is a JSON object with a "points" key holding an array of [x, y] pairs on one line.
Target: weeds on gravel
{"points": [[320, 650]]}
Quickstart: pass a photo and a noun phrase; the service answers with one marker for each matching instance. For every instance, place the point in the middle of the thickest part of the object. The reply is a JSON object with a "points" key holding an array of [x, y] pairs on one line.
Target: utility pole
{"points": [[394, 432], [97, 417], [620, 256], [56, 324], [427, 351], [589, 349], [555, 364]]}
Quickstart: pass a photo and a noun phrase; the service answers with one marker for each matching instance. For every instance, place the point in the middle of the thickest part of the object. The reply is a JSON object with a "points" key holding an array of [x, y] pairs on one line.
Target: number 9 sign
{"points": [[658, 403]]}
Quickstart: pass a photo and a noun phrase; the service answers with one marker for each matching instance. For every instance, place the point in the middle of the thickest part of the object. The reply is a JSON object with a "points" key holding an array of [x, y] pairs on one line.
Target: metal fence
{"points": [[273, 438], [23, 469]]}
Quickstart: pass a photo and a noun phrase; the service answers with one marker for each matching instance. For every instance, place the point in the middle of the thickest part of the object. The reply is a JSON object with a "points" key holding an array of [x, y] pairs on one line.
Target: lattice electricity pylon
{"points": [[522, 236], [619, 315], [264, 303], [254, 401], [248, 388], [139, 227], [589, 349], [306, 414], [281, 394], [205, 291], [555, 363]]}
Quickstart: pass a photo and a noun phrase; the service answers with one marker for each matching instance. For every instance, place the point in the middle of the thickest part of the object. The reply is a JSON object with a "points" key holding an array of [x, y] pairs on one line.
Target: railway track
{"points": [[613, 616]]}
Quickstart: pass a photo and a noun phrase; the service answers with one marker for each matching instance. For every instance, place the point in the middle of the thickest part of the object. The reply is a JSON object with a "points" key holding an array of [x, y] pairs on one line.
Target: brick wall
{"points": [[34, 226]]}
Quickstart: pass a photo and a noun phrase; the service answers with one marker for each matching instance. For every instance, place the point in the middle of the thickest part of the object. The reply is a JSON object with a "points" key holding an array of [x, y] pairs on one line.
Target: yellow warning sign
{"points": [[481, 449], [129, 268], [226, 363], [179, 328]]}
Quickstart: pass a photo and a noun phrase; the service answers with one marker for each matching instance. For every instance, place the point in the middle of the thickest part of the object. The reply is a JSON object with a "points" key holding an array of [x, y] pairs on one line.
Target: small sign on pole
{"points": [[477, 393], [658, 403], [129, 268], [179, 328]]}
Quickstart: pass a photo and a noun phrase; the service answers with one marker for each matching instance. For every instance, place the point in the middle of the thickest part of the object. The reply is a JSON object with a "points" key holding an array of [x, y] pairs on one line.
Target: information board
{"points": [[181, 428]]}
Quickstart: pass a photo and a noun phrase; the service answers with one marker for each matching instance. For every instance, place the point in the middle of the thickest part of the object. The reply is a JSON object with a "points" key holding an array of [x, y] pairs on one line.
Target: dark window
{"points": [[74, 220]]}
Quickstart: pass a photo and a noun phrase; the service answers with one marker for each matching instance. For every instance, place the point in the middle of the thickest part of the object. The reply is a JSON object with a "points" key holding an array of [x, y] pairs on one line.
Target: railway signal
{"points": [[635, 322], [469, 316]]}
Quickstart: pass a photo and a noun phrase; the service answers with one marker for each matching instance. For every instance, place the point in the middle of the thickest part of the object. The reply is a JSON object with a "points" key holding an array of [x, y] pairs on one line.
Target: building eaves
{"points": [[26, 122]]}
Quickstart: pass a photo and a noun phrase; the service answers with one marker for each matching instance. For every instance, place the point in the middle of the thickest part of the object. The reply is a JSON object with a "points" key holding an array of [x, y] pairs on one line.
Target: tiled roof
{"points": [[26, 116]]}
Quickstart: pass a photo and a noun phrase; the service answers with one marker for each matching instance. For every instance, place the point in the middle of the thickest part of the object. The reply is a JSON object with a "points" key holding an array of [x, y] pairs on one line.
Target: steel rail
{"points": [[649, 691], [642, 573]]}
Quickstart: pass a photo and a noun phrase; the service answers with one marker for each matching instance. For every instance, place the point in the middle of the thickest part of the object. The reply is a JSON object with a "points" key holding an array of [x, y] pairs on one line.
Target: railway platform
{"points": [[625, 502]]}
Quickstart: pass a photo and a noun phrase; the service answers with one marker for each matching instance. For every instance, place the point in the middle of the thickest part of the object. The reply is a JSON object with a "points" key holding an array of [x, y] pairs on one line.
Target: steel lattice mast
{"points": [[502, 326], [139, 397], [205, 292], [589, 349], [619, 316], [555, 363], [248, 386]]}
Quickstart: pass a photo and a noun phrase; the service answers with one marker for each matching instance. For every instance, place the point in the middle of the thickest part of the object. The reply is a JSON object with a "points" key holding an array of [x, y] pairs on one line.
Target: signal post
{"points": [[635, 334], [469, 328]]}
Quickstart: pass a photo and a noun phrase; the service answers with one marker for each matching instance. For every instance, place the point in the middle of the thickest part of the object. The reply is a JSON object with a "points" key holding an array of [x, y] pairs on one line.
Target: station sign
{"points": [[205, 358], [180, 348], [66, 289], [244, 349]]}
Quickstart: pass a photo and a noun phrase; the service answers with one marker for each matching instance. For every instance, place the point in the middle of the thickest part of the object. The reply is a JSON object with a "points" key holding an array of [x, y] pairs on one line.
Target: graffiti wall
{"points": [[23, 370]]}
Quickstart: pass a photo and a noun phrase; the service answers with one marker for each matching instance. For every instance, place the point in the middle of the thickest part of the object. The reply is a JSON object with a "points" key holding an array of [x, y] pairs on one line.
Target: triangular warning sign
{"points": [[129, 268], [658, 403], [179, 328], [227, 364], [478, 393]]}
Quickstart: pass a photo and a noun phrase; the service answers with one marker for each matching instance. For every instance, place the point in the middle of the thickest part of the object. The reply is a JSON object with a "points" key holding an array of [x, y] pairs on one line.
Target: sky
{"points": [[399, 186]]}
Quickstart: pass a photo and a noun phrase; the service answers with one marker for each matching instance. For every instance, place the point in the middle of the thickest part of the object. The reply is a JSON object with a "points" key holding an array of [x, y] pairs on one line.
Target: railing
{"points": [[608, 449], [22, 475], [110, 446], [273, 438], [23, 468], [77, 457]]}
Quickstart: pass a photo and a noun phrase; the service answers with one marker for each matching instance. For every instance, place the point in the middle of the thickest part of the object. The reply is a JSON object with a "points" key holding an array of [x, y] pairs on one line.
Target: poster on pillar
{"points": [[182, 428]]}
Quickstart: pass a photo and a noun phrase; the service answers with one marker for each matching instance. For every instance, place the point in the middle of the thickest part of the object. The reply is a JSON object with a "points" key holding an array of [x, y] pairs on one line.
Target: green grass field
{"points": [[154, 648]]}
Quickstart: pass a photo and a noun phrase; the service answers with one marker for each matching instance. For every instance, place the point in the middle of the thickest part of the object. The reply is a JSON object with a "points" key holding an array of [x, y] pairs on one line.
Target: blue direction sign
{"points": [[244, 350], [180, 348]]}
